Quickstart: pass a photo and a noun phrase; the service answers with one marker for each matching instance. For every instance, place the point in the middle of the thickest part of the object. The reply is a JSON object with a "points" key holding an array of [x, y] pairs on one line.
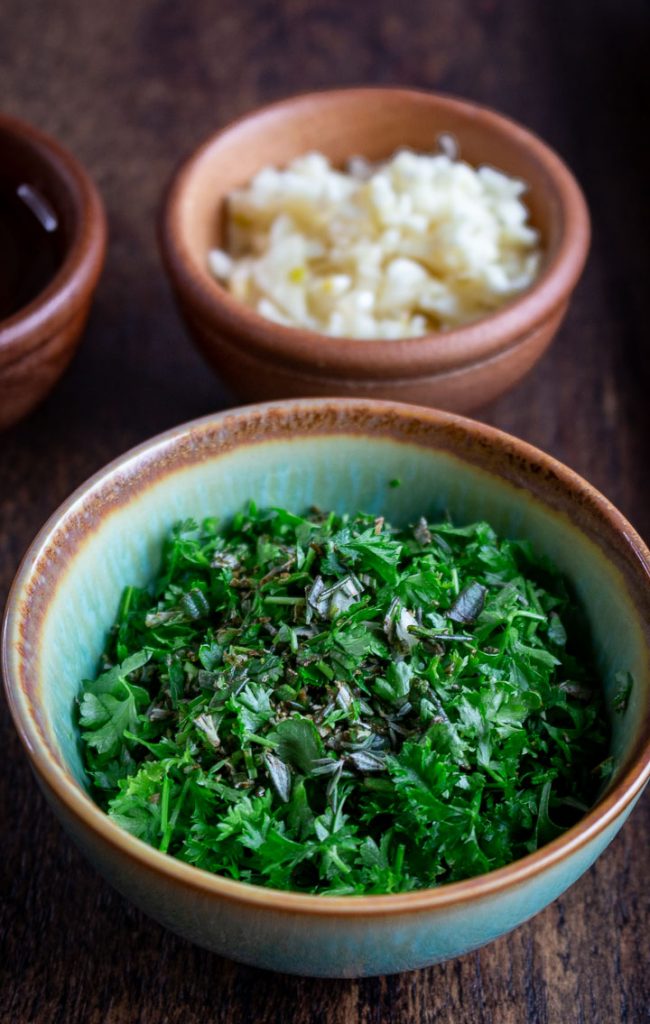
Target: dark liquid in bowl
{"points": [[31, 245]]}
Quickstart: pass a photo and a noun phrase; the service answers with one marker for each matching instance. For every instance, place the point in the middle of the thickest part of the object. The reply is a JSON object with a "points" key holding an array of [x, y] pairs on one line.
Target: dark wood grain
{"points": [[130, 88]]}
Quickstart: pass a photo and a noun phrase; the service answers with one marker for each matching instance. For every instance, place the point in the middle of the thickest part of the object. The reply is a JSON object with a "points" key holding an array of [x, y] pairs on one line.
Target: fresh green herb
{"points": [[329, 704]]}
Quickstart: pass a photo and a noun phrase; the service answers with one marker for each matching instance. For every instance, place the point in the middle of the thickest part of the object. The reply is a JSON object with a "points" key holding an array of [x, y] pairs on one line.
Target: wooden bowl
{"points": [[458, 369], [37, 342]]}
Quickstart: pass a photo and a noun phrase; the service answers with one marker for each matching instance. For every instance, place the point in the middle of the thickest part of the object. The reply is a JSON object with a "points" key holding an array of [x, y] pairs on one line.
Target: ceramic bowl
{"points": [[459, 369], [38, 341], [337, 454]]}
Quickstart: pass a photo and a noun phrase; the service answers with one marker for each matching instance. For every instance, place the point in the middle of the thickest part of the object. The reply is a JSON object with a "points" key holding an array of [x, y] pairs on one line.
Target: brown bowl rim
{"points": [[373, 358], [79, 804], [80, 268]]}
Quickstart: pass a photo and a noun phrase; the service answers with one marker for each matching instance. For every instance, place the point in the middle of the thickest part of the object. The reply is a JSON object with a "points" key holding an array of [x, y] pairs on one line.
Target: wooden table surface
{"points": [[131, 87]]}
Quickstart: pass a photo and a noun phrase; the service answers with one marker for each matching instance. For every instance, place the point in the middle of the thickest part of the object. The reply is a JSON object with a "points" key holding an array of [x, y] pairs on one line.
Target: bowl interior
{"points": [[110, 536], [365, 122], [47, 233], [27, 159]]}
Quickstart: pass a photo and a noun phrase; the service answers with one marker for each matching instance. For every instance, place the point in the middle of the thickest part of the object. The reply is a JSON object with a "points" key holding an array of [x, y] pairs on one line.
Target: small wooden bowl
{"points": [[458, 369], [38, 341]]}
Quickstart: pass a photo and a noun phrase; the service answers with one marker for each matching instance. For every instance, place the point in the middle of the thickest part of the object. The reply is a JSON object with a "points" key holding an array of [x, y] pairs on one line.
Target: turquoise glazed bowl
{"points": [[339, 454]]}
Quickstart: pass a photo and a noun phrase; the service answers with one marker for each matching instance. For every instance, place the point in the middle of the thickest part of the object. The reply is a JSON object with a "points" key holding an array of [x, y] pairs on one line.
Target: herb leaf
{"points": [[468, 605], [298, 743]]}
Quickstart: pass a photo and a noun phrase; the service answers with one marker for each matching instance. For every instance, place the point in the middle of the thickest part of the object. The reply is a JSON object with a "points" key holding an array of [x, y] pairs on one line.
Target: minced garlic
{"points": [[415, 245]]}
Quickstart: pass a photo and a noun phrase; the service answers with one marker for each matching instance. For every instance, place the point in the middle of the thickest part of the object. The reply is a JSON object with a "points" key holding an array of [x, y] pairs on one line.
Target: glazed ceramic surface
{"points": [[457, 369], [342, 455], [38, 341]]}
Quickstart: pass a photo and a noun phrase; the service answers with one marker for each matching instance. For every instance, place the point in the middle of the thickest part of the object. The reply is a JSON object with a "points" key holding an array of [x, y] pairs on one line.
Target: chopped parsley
{"points": [[329, 704]]}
